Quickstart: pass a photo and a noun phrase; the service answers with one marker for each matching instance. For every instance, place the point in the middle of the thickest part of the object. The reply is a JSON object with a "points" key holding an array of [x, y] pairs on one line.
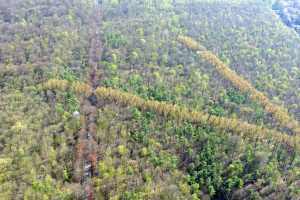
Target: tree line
{"points": [[278, 112], [182, 113]]}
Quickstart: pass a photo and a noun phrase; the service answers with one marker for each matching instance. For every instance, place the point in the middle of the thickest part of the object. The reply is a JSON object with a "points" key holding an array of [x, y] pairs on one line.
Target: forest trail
{"points": [[86, 149]]}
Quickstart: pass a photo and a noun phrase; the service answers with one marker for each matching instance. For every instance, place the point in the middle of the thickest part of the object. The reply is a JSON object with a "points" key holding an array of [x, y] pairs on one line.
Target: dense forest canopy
{"points": [[289, 11], [133, 99]]}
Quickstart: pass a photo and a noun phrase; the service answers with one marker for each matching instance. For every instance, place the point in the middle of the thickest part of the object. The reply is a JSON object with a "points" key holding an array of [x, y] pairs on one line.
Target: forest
{"points": [[149, 100]]}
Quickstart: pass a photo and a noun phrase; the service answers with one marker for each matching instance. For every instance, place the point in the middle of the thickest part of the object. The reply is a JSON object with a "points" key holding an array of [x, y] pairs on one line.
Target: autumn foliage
{"points": [[278, 112], [181, 113], [189, 42], [56, 84], [78, 88], [82, 88]]}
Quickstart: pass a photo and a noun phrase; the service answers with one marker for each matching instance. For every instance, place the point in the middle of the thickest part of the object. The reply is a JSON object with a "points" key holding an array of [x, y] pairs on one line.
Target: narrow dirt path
{"points": [[86, 149]]}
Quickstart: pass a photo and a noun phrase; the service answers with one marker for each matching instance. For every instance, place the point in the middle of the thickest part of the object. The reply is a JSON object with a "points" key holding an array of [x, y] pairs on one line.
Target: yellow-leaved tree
{"points": [[278, 112], [236, 126]]}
